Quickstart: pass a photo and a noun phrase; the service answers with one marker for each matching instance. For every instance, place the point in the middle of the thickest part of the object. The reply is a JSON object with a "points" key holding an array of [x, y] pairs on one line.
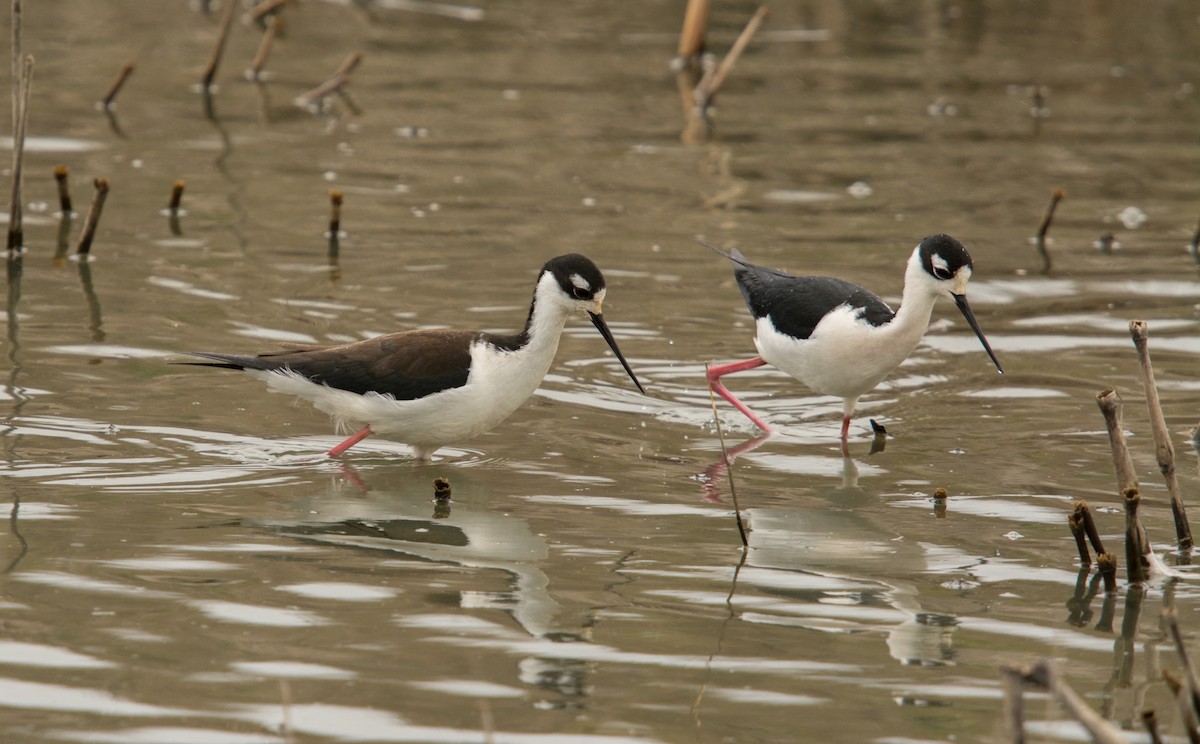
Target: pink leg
{"points": [[714, 375], [361, 435]]}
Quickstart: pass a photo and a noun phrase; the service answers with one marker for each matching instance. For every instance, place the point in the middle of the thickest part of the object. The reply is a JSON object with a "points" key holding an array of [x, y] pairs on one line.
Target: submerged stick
{"points": [[1194, 247], [61, 174], [214, 59], [1040, 239], [1110, 405], [93, 218], [274, 23], [21, 88], [107, 101], [1164, 452]]}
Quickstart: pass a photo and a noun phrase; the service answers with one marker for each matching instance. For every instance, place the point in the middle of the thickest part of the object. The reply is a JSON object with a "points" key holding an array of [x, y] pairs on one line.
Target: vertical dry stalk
{"points": [[1110, 405], [1014, 704], [1195, 245], [21, 88], [214, 59], [61, 173], [1137, 546], [1164, 452], [1183, 701], [93, 218], [107, 101]]}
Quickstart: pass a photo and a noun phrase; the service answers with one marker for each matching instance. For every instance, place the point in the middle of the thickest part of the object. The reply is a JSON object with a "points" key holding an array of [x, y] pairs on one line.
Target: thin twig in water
{"points": [[176, 195], [1043, 673], [712, 82], [691, 36], [737, 510], [267, 10], [1150, 721], [255, 73], [22, 86], [1164, 452], [1106, 564], [1040, 240], [107, 101], [339, 79], [214, 59], [93, 218]]}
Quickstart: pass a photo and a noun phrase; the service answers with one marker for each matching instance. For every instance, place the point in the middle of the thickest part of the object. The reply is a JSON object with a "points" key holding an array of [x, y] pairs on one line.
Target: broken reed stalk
{"points": [[93, 218], [214, 59], [1084, 514], [1137, 545], [737, 510], [61, 174], [107, 101], [264, 48], [441, 488], [1110, 405], [176, 195], [1040, 240], [1076, 524], [1044, 674], [713, 80], [695, 26], [1164, 452], [335, 213], [1106, 564], [21, 88]]}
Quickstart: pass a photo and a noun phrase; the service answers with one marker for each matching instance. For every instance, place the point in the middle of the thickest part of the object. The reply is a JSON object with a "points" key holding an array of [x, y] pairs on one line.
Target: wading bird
{"points": [[431, 388], [837, 337]]}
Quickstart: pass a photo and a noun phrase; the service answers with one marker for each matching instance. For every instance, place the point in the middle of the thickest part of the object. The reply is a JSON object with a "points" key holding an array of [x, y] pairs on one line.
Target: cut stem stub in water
{"points": [[93, 218], [1040, 239]]}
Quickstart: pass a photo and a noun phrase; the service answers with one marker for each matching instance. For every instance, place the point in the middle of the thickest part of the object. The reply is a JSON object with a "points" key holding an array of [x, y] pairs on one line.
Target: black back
{"points": [[796, 304]]}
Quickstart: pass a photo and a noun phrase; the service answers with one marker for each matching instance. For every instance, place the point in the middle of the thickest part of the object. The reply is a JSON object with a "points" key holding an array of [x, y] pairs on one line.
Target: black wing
{"points": [[796, 304], [406, 365]]}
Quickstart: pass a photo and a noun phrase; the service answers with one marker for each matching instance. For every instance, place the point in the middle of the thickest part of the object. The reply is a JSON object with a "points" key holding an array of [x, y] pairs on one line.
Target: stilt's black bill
{"points": [[961, 301], [598, 321]]}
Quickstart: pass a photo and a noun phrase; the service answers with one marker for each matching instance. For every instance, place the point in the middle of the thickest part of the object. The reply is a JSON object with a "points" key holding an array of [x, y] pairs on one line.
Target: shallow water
{"points": [[182, 564]]}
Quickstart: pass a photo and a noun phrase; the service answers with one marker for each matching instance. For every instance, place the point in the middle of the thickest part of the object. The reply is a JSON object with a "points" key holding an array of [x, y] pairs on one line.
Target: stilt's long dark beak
{"points": [[598, 321], [961, 301]]}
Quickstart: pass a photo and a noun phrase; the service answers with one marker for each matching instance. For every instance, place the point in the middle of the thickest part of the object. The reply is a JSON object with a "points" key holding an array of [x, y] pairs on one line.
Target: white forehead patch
{"points": [[580, 282]]}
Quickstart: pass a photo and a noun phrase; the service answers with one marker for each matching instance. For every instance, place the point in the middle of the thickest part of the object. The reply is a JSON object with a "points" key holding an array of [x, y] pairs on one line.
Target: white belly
{"points": [[844, 356]]}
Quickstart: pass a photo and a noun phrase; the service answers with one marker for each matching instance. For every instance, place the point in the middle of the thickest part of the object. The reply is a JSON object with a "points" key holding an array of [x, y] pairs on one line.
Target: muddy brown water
{"points": [[181, 564]]}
